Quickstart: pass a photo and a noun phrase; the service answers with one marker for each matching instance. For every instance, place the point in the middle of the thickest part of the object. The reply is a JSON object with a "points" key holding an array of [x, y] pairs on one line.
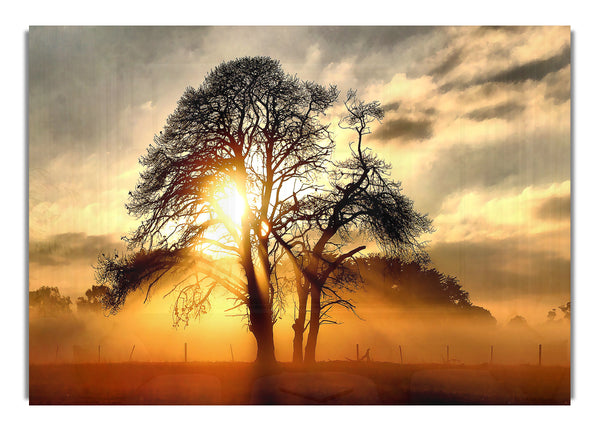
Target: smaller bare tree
{"points": [[361, 199]]}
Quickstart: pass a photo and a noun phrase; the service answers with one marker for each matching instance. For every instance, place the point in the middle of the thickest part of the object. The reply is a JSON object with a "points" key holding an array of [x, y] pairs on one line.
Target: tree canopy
{"points": [[249, 130], [243, 170]]}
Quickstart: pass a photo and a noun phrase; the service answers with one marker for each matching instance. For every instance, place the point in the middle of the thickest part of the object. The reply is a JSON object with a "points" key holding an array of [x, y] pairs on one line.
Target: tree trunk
{"points": [[315, 317], [261, 321], [261, 325], [298, 325], [262, 329]]}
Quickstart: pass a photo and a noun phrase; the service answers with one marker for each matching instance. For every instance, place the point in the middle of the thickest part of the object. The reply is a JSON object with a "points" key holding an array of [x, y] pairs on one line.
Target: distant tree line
{"points": [[408, 283], [48, 301], [412, 283], [405, 283]]}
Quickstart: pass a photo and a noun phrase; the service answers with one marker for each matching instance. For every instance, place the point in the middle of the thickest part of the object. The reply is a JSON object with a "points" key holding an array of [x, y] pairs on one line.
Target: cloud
{"points": [[359, 41], [82, 80], [499, 165], [485, 214], [451, 61], [558, 86], [404, 129], [489, 65], [504, 110], [555, 208], [68, 248], [534, 70], [392, 106], [485, 29], [497, 269]]}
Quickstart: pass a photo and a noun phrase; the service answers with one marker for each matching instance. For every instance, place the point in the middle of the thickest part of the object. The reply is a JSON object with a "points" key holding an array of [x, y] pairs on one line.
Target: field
{"points": [[335, 382]]}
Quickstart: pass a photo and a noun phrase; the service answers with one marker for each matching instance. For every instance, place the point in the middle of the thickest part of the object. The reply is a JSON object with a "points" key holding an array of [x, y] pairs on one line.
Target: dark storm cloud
{"points": [[63, 249], [504, 110], [404, 129], [556, 208], [501, 165], [503, 268]]}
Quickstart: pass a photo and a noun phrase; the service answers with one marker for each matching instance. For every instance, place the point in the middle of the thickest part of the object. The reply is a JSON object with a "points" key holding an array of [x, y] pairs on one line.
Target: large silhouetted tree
{"points": [[249, 129], [361, 200]]}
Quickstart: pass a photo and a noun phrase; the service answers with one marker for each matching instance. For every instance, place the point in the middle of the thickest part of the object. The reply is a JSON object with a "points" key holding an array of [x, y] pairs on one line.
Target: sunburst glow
{"points": [[232, 203]]}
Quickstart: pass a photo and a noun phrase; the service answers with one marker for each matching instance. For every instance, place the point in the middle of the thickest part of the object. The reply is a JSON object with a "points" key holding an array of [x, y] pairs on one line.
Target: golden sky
{"points": [[477, 128]]}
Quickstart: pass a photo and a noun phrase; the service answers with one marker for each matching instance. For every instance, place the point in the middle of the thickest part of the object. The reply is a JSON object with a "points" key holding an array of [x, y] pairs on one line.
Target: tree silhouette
{"points": [[92, 302], [47, 301], [360, 198], [249, 129], [414, 284]]}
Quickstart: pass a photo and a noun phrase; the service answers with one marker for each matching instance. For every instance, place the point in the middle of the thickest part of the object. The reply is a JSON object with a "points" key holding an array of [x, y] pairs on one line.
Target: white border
{"points": [[578, 14]]}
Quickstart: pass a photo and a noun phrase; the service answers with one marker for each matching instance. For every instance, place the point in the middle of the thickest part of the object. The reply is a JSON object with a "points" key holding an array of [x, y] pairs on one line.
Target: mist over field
{"points": [[422, 331]]}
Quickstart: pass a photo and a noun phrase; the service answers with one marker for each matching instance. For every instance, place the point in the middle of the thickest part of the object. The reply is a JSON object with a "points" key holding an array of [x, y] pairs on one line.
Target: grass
{"points": [[235, 383]]}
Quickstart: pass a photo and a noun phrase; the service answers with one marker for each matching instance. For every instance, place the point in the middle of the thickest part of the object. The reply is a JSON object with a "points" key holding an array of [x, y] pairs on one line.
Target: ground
{"points": [[335, 382]]}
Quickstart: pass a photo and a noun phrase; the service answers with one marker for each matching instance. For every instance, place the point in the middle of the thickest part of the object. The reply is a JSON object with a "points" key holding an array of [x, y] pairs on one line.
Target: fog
{"points": [[424, 333], [425, 336]]}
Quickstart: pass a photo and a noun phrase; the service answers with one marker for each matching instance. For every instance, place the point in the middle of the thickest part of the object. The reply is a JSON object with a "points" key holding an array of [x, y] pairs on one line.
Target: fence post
{"points": [[131, 354], [357, 357], [540, 355], [184, 352], [98, 352], [401, 358], [447, 353], [231, 348], [491, 354]]}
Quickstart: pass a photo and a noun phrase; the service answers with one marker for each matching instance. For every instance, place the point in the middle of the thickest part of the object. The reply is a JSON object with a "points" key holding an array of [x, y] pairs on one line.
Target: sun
{"points": [[232, 204], [227, 208]]}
